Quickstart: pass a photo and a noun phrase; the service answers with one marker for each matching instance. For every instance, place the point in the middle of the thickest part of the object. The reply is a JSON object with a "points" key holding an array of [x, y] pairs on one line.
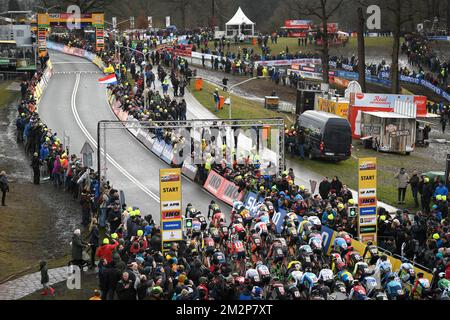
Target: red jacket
{"points": [[106, 251]]}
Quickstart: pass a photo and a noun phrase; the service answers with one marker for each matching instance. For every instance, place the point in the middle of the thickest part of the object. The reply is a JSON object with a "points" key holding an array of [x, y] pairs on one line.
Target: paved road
{"points": [[73, 104]]}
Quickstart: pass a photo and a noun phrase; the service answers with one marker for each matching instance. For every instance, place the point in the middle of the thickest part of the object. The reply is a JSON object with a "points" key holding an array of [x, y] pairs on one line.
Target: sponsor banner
{"points": [[367, 221], [172, 225], [252, 202], [368, 192], [278, 219], [273, 63], [368, 211], [368, 229], [328, 236], [167, 154], [299, 24], [229, 192], [172, 235], [171, 205], [171, 215], [387, 101], [158, 147], [223, 189], [145, 140], [428, 85], [213, 183], [189, 170], [367, 201], [341, 82]]}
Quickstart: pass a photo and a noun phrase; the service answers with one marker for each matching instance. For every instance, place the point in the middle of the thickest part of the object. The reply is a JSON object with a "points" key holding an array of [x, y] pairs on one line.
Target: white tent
{"points": [[240, 24]]}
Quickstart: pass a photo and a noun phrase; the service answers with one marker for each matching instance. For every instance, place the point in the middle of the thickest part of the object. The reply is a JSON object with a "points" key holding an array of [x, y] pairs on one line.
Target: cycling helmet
{"points": [[340, 243]]}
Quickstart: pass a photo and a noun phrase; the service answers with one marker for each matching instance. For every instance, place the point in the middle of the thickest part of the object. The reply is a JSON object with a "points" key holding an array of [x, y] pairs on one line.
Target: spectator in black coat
{"points": [[125, 288], [324, 188], [336, 184]]}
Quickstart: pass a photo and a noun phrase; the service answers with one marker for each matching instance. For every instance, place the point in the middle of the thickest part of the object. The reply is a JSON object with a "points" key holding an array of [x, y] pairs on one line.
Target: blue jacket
{"points": [[43, 153], [441, 190]]}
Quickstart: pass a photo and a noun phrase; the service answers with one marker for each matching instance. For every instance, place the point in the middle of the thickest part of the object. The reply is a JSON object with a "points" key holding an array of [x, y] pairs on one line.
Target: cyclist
{"points": [[358, 292], [326, 276], [213, 209], [255, 245], [308, 281], [373, 251], [276, 252], [421, 287], [264, 273], [252, 274], [443, 286], [393, 287]]}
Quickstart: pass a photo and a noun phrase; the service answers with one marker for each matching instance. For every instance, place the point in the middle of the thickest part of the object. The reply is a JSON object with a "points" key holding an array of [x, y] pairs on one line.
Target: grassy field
{"points": [[388, 164], [241, 108], [372, 44], [347, 172]]}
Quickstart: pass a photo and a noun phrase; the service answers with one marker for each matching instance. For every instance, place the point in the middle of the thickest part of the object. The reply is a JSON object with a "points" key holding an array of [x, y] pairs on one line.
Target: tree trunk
{"points": [[361, 50], [183, 16], [396, 50], [448, 14], [325, 49]]}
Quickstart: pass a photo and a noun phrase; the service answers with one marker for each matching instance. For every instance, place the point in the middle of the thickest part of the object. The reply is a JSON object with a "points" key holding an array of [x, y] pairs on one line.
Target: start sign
{"points": [[170, 199], [367, 199]]}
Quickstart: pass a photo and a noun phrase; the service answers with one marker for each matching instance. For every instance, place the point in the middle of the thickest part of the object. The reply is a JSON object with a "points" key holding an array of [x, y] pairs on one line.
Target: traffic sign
{"points": [[188, 223], [352, 212]]}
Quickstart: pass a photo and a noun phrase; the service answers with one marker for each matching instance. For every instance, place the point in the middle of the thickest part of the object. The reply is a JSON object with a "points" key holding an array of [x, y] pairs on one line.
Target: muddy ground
{"points": [[38, 221]]}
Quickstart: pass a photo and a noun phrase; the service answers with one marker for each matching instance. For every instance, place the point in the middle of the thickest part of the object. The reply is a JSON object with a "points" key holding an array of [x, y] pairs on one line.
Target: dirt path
{"points": [[38, 221]]}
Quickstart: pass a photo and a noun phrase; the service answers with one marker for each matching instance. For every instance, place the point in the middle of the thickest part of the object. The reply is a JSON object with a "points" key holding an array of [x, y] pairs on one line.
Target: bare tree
{"points": [[182, 6], [402, 12], [85, 5], [323, 10], [361, 49]]}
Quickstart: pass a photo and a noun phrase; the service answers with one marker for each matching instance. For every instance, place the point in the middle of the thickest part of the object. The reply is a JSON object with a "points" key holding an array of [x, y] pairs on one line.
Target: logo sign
{"points": [[374, 18], [369, 211], [171, 225], [366, 202], [251, 203], [171, 205], [171, 215], [369, 237], [368, 229], [172, 235], [368, 192], [367, 221]]}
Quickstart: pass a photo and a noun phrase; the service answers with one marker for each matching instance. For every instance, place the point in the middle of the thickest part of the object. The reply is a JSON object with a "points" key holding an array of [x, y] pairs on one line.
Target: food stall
{"points": [[297, 28], [414, 106], [388, 132]]}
